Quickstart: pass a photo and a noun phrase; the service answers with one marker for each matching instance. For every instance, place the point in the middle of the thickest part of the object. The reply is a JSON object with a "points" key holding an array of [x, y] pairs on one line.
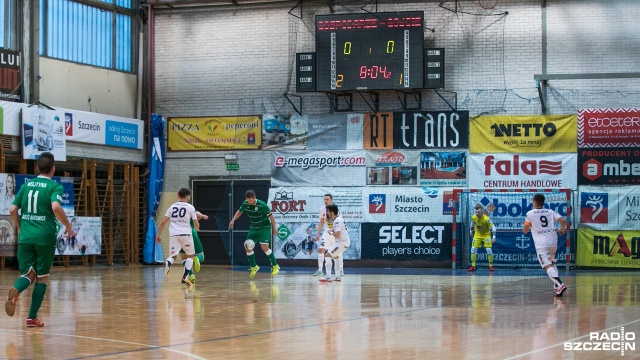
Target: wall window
{"points": [[93, 32], [9, 24]]}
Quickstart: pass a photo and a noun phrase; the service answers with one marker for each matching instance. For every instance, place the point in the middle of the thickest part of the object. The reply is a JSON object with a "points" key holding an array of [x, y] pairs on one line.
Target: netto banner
{"points": [[611, 166], [406, 241], [608, 127], [523, 134]]}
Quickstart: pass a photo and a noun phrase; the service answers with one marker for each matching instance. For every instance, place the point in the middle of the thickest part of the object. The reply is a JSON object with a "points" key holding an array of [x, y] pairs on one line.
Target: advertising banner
{"points": [[93, 128], [296, 241], [524, 134], [416, 130], [522, 171], [600, 248], [43, 131], [508, 210], [609, 127], [514, 247], [67, 185], [303, 204], [10, 117], [285, 132], [332, 168], [85, 240], [406, 241], [214, 133], [610, 207], [8, 238], [10, 77], [611, 166], [335, 132], [411, 204], [414, 167]]}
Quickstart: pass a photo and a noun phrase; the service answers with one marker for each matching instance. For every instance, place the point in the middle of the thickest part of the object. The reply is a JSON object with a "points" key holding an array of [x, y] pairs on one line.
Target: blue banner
{"points": [[67, 185], [152, 251]]}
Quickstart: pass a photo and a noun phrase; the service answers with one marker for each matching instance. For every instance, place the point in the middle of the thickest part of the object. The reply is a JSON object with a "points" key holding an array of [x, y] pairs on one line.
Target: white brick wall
{"points": [[240, 60]]}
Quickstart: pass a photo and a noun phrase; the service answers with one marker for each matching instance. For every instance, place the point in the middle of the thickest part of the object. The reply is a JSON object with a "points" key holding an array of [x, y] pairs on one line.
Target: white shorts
{"points": [[546, 256], [338, 248], [181, 241], [327, 241]]}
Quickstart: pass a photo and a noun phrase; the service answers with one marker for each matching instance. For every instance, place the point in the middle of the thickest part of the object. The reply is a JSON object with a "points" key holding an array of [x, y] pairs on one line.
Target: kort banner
{"points": [[611, 166], [522, 171], [610, 207], [303, 204], [332, 168], [214, 133], [524, 134], [609, 127], [600, 248], [406, 241]]}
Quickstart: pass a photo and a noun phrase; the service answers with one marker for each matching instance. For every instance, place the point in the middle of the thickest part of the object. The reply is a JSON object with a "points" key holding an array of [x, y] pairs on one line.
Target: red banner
{"points": [[608, 127]]}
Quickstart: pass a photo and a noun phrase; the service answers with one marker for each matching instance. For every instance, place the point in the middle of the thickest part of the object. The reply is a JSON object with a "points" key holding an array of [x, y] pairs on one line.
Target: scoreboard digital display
{"points": [[370, 51]]}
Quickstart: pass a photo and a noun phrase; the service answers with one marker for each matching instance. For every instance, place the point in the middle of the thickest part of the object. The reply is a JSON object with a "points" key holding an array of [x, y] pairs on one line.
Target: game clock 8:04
{"points": [[372, 51]]}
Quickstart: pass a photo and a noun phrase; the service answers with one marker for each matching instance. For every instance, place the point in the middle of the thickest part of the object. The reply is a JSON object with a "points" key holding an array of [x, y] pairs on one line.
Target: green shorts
{"points": [[260, 236], [37, 256]]}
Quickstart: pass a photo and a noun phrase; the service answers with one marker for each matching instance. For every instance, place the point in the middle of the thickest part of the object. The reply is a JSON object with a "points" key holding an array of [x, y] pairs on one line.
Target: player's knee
{"points": [[489, 251], [474, 250]]}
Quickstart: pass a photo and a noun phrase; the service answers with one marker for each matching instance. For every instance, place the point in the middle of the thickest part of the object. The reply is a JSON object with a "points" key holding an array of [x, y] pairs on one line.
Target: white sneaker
{"points": [[341, 272], [318, 273], [326, 279], [337, 278]]}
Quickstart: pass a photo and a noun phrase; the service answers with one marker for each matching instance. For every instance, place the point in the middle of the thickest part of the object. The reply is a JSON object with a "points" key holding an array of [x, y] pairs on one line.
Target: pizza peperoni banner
{"points": [[214, 133], [602, 248], [610, 207], [524, 134]]}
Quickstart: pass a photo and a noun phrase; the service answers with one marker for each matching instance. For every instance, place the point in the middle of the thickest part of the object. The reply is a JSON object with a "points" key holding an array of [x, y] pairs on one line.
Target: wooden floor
{"points": [[130, 313]]}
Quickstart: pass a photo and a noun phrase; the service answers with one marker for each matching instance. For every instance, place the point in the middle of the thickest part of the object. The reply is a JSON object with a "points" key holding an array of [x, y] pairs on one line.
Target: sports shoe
{"points": [[325, 279], [472, 268], [559, 291], [253, 272], [187, 281], [167, 271], [12, 299], [341, 272], [318, 273], [275, 270], [34, 323], [490, 268], [196, 264], [337, 278], [192, 278]]}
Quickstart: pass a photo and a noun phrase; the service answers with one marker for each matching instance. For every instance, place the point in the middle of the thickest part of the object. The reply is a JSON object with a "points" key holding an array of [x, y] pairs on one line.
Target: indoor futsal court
{"points": [[372, 314]]}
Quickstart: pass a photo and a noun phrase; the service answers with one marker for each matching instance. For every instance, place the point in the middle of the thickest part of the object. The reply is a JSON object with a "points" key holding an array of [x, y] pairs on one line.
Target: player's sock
{"points": [[341, 260], [39, 289], [490, 258], [252, 259], [184, 261], [328, 264], [320, 261], [22, 284], [188, 265], [272, 257], [200, 257], [553, 274], [474, 258]]}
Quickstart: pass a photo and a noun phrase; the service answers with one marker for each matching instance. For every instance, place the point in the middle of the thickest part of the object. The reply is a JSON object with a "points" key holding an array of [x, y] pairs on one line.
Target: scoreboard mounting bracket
{"points": [[335, 101], [288, 96], [374, 97], [417, 97]]}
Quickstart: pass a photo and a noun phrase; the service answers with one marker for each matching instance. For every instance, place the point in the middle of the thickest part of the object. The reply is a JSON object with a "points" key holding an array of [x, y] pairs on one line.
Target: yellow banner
{"points": [[599, 248], [524, 134], [214, 133]]}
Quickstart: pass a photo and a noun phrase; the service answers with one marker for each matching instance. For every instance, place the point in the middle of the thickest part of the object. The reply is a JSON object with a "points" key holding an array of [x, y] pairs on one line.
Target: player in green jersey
{"points": [[197, 246], [40, 200], [263, 226]]}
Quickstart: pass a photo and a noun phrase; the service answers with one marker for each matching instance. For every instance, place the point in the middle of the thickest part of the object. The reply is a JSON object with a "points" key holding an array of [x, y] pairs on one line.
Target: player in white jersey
{"points": [[328, 200], [340, 244], [180, 237], [542, 224]]}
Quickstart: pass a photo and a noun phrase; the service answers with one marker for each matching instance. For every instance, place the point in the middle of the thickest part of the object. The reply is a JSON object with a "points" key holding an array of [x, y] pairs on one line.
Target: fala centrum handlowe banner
{"points": [[214, 133]]}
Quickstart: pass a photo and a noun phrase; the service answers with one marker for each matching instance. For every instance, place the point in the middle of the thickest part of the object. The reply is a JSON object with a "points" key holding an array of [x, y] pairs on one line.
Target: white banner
{"points": [[85, 240], [610, 207], [523, 171], [10, 116], [407, 204], [296, 241], [333, 168], [43, 131], [302, 204]]}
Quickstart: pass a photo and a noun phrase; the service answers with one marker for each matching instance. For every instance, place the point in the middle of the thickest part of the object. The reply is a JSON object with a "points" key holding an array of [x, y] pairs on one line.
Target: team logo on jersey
{"points": [[377, 203], [594, 208], [284, 203]]}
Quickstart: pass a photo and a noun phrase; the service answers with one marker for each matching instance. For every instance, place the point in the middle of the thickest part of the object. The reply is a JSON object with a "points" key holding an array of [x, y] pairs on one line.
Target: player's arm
{"points": [[320, 225], [58, 211], [13, 211], [473, 224], [492, 228], [164, 222], [274, 231], [563, 224], [196, 223], [235, 216], [201, 216], [527, 226]]}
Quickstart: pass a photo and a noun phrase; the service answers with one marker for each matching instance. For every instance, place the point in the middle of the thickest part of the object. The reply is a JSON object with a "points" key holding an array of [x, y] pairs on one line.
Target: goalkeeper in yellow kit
{"points": [[485, 235]]}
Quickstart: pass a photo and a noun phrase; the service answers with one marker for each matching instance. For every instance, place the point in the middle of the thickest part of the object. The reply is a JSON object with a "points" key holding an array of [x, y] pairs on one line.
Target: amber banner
{"points": [[214, 133]]}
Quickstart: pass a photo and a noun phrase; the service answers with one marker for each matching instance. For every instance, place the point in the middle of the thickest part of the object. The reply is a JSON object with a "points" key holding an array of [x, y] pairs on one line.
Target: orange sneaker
{"points": [[490, 268], [12, 299], [34, 323]]}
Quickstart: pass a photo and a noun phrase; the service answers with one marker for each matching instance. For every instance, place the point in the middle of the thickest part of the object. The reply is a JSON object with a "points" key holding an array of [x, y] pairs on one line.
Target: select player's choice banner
{"points": [[43, 131], [214, 133], [523, 134], [332, 168], [602, 248], [609, 127], [610, 207], [303, 204], [609, 166], [406, 241], [297, 241], [523, 171], [416, 130]]}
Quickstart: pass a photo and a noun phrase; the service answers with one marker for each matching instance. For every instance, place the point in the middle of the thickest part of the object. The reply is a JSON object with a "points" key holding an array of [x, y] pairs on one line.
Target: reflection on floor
{"points": [[131, 313]]}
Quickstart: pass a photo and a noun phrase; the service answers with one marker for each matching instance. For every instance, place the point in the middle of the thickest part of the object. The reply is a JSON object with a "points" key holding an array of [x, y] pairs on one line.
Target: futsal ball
{"points": [[249, 244]]}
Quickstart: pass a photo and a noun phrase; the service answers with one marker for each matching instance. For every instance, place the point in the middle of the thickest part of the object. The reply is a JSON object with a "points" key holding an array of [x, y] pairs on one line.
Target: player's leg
{"points": [[474, 253], [26, 259], [328, 264], [546, 262], [341, 261], [336, 253], [44, 261], [249, 245], [174, 249], [320, 262], [199, 256], [265, 240], [187, 245], [488, 248]]}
